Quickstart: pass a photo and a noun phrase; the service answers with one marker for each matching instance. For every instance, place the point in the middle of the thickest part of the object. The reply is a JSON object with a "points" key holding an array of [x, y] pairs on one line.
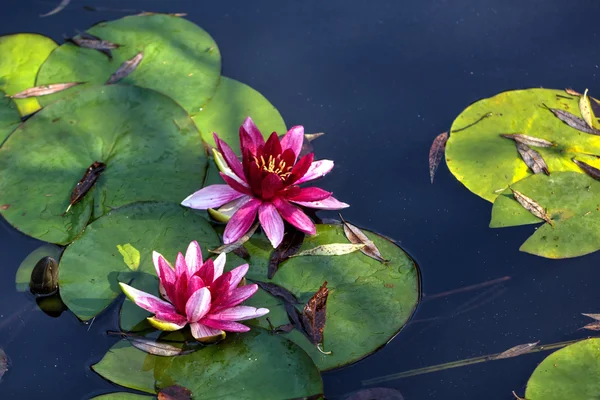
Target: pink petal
{"points": [[211, 196], [236, 297], [195, 283], [309, 194], [200, 331], [172, 319], [241, 221], [240, 187], [295, 216], [271, 222], [293, 139], [219, 264], [230, 157], [330, 203], [238, 313], [237, 274], [193, 258], [207, 272], [250, 128], [147, 301], [198, 305], [318, 169], [228, 326], [181, 267], [166, 274]]}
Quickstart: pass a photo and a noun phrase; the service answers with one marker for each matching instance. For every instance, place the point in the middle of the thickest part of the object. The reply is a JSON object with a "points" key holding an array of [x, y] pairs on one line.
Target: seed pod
{"points": [[44, 277]]}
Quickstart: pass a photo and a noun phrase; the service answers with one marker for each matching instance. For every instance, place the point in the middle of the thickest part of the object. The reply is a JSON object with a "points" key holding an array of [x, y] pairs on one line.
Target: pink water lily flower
{"points": [[199, 294], [266, 182]]}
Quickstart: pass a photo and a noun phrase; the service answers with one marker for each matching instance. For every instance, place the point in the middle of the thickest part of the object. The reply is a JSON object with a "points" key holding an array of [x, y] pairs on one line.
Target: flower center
{"points": [[274, 165]]}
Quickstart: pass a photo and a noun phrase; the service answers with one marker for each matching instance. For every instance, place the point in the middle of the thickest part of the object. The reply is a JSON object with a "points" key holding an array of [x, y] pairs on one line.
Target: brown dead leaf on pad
{"points": [[175, 392], [532, 206], [356, 236], [436, 153]]}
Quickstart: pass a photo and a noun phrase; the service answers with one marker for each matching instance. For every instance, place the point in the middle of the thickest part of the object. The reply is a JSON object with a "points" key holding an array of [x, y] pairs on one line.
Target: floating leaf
{"points": [[593, 316], [570, 200], [144, 147], [532, 206], [486, 163], [516, 351], [277, 291], [131, 255], [585, 108], [126, 68], [356, 236], [122, 396], [532, 159], [588, 169], [90, 268], [593, 326], [572, 92], [175, 392], [3, 363], [176, 59], [314, 315], [528, 140], [331, 249], [157, 347], [569, 373], [88, 41], [291, 243], [227, 248], [57, 9], [436, 153], [574, 121], [44, 277], [44, 90], [22, 56], [269, 366], [92, 174], [231, 104], [9, 117], [312, 136]]}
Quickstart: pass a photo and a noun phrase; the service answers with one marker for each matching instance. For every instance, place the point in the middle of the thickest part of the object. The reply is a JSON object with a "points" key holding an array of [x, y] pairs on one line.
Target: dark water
{"points": [[381, 78]]}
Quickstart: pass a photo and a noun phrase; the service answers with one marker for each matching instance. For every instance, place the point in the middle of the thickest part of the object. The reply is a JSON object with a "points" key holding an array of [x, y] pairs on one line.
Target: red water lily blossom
{"points": [[199, 294], [266, 182]]}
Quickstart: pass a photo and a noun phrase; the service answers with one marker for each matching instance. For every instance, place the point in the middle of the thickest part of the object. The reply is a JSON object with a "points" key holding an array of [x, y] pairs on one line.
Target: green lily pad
{"points": [[23, 275], [150, 145], [180, 59], [231, 104], [122, 396], [368, 303], [569, 373], [252, 365], [487, 163], [572, 201], [91, 267], [9, 117], [22, 56]]}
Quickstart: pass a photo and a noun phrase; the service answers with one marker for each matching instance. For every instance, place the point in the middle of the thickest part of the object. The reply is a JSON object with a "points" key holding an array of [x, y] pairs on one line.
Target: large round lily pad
{"points": [[232, 103], [22, 56], [92, 266], [487, 163], [9, 117], [572, 201], [252, 365], [569, 373], [180, 59], [122, 396], [150, 145], [369, 302]]}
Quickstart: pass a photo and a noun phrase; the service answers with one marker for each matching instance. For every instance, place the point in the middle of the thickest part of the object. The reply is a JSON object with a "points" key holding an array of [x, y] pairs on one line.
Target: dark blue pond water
{"points": [[381, 78]]}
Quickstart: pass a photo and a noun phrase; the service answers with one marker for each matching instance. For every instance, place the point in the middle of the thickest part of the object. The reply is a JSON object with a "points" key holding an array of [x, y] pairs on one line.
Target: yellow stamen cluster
{"points": [[274, 165]]}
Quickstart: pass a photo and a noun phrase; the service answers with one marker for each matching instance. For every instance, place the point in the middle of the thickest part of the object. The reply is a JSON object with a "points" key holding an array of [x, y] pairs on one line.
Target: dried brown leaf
{"points": [[86, 183], [517, 396], [292, 241], [331, 249], [175, 392], [588, 169], [156, 347], [593, 326], [312, 136], [356, 236], [572, 92], [44, 90], [277, 291], [532, 206], [58, 8], [593, 316], [574, 121], [241, 252], [3, 363], [516, 351], [532, 159], [378, 393], [585, 108], [528, 140], [313, 315], [126, 68], [436, 153], [227, 248]]}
